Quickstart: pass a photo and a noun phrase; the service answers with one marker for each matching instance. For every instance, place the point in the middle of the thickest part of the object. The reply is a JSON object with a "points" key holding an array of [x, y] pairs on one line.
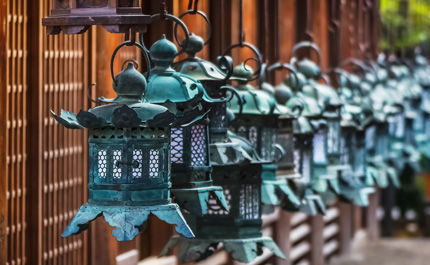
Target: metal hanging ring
{"points": [[127, 43], [193, 12], [256, 52], [177, 21], [283, 66], [307, 44]]}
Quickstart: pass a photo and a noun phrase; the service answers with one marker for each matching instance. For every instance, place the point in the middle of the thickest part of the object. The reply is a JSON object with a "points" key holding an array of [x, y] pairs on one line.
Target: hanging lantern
{"points": [[192, 184], [237, 168], [380, 151], [304, 133], [422, 125], [77, 16], [129, 166], [326, 141], [258, 120]]}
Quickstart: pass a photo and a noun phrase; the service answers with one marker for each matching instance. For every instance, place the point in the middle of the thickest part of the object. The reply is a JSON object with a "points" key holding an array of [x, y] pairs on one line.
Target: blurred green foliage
{"points": [[405, 23]]}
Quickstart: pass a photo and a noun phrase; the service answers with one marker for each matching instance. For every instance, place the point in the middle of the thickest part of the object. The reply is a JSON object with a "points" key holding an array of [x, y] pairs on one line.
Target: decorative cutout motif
{"points": [[177, 145], [198, 145], [102, 161], [154, 163]]}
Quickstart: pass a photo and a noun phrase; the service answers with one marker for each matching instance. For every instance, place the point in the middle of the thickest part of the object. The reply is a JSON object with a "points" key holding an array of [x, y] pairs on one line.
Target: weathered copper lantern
{"points": [[422, 125], [190, 156], [77, 16], [304, 134], [237, 168], [129, 167], [326, 142], [258, 120]]}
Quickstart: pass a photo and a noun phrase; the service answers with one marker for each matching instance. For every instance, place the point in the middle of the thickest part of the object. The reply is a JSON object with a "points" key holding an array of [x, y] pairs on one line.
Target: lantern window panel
{"points": [[319, 145], [249, 202], [427, 126], [177, 145], [333, 136], [306, 170], [154, 163], [344, 150], [370, 137], [117, 159], [397, 128], [102, 164], [138, 164], [268, 140], [286, 139], [199, 145], [213, 206], [359, 160]]}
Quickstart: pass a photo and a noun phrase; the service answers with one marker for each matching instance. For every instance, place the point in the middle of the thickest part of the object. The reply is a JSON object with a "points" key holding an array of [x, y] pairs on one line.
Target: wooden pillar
{"points": [[345, 226], [317, 240], [3, 133], [282, 236], [372, 222]]}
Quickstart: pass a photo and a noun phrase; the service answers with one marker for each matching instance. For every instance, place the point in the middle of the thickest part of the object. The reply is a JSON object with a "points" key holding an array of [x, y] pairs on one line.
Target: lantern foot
{"points": [[127, 220], [382, 173], [243, 250], [357, 196], [273, 192], [196, 200], [312, 204]]}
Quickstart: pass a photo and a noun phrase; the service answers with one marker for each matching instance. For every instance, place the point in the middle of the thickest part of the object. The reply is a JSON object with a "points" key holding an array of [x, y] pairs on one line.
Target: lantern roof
{"points": [[254, 101], [128, 110], [165, 84], [195, 67]]}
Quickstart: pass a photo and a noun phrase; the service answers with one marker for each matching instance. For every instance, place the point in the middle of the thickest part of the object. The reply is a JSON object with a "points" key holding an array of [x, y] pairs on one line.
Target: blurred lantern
{"points": [[190, 156], [422, 125], [237, 168], [258, 120], [129, 166], [377, 136], [77, 16], [326, 140], [355, 184], [304, 134]]}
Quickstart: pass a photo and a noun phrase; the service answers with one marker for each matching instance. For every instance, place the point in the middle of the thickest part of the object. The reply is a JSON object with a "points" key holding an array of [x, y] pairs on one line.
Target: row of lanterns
{"points": [[226, 154]]}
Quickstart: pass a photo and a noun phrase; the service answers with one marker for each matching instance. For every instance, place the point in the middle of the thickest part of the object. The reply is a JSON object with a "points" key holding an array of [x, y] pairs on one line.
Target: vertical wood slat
{"points": [[59, 72]]}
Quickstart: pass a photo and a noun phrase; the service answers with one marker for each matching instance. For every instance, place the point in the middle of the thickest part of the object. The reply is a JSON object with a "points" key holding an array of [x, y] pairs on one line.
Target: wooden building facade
{"points": [[44, 166]]}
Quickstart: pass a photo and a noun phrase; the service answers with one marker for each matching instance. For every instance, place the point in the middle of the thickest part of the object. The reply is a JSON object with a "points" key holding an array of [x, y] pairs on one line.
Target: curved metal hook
{"points": [[193, 12], [89, 95], [358, 63], [307, 44], [256, 52], [129, 43], [281, 66], [225, 63], [234, 93]]}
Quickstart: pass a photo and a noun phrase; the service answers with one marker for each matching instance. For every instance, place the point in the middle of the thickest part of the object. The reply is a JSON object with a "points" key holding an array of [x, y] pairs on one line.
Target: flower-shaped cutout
{"points": [[125, 117], [89, 120]]}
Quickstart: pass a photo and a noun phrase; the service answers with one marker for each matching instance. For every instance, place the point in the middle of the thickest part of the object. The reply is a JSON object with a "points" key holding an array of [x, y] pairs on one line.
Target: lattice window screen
{"points": [[16, 149]]}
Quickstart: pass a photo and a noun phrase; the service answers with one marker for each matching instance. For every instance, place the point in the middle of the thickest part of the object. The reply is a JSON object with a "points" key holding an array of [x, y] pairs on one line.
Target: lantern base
{"points": [[195, 200], [357, 196], [312, 204], [128, 221], [243, 250], [273, 192], [382, 173]]}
